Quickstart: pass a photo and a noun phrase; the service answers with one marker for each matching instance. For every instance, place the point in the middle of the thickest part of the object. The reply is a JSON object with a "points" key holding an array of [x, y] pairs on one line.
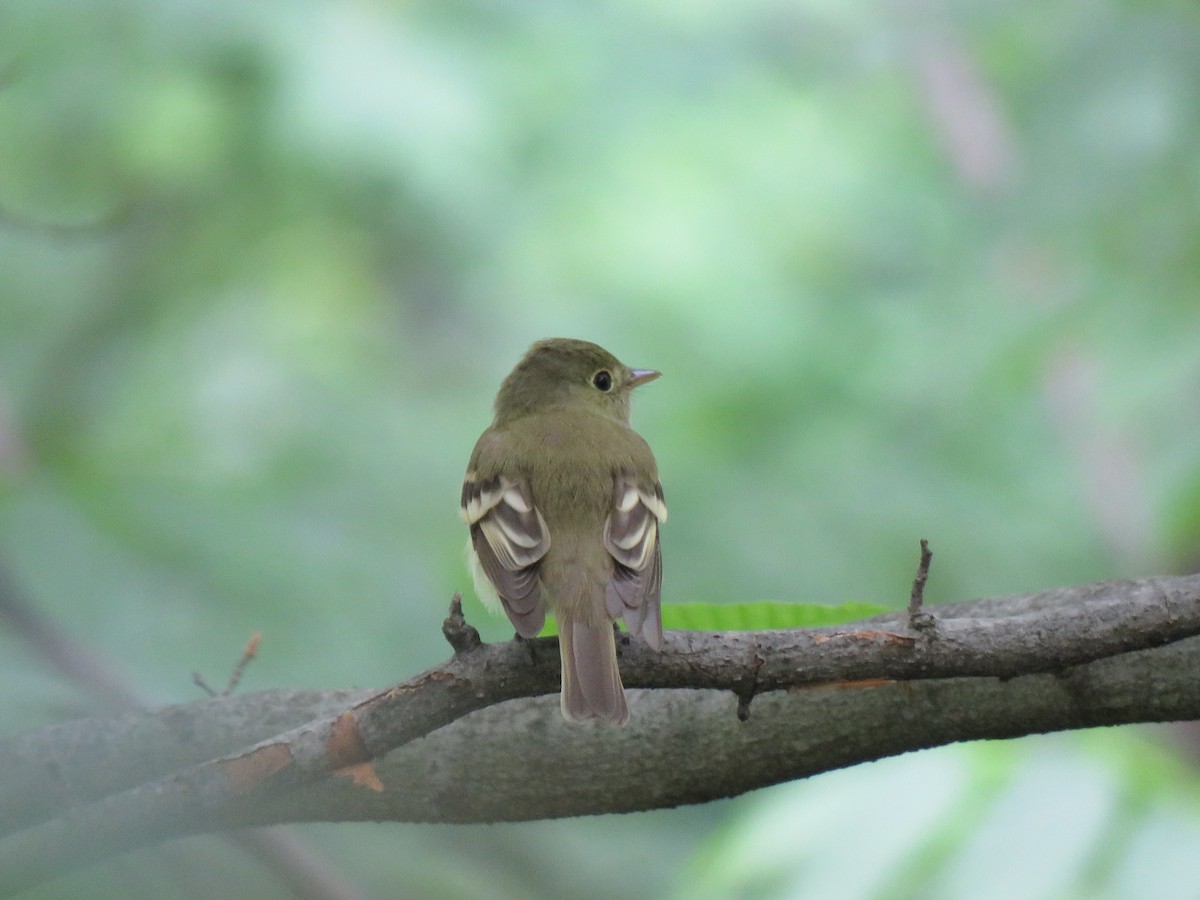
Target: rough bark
{"points": [[469, 741]]}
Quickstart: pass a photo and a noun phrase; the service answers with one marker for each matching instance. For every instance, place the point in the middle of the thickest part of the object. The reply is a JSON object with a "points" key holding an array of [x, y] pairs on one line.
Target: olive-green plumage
{"points": [[563, 501]]}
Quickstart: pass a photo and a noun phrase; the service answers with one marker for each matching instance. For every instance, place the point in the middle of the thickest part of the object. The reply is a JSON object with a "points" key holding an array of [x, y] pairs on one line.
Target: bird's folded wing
{"points": [[631, 538], [510, 538]]}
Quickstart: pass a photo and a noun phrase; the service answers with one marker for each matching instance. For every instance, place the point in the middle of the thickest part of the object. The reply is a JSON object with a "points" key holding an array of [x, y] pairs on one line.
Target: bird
{"points": [[563, 501]]}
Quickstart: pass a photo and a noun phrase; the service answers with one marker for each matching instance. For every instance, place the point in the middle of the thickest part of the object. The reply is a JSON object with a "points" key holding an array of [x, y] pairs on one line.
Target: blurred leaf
{"points": [[943, 823], [763, 615]]}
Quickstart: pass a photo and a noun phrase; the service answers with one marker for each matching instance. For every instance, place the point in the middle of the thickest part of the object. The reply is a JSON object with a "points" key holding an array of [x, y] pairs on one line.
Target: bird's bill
{"points": [[642, 376]]}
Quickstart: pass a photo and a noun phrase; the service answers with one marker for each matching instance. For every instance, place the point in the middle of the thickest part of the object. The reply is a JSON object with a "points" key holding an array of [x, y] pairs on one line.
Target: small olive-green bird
{"points": [[563, 501]]}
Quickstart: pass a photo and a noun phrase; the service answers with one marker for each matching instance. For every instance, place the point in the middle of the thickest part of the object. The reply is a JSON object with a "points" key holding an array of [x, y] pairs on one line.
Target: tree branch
{"points": [[280, 851], [1076, 657]]}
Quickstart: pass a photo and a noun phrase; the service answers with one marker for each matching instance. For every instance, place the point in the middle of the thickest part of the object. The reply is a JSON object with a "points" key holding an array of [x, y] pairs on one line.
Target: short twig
{"points": [[461, 636], [236, 675], [248, 654], [918, 619], [198, 681], [747, 692], [743, 707]]}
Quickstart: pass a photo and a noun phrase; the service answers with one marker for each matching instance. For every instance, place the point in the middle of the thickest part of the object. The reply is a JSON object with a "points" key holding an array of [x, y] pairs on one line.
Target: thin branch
{"points": [[248, 654], [60, 652], [462, 637], [918, 620]]}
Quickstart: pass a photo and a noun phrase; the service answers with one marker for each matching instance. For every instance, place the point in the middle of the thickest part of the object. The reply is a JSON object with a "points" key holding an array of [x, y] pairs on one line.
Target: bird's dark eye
{"points": [[603, 380]]}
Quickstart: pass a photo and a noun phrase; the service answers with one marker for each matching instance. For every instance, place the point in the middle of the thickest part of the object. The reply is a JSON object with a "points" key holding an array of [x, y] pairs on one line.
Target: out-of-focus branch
{"points": [[965, 113], [283, 853], [59, 651]]}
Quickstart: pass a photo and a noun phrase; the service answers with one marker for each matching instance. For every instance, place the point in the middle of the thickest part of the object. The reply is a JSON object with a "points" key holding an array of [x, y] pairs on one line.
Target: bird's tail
{"points": [[591, 682]]}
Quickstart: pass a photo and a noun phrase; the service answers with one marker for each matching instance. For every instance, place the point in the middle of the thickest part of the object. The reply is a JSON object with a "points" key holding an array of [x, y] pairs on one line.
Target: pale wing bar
{"points": [[631, 538], [510, 538]]}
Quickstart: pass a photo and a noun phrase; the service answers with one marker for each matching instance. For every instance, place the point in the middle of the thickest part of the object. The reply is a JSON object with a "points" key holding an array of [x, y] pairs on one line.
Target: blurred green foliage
{"points": [[911, 270], [763, 615]]}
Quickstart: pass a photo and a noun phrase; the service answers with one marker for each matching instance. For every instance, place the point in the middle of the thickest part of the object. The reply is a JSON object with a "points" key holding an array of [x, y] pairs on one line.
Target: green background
{"points": [[910, 270]]}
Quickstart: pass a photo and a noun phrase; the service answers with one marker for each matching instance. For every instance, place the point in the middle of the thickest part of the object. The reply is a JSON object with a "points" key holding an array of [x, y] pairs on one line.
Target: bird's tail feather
{"points": [[591, 682]]}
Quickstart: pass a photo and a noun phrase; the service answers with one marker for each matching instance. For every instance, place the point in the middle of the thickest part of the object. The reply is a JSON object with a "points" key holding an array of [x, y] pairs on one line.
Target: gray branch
{"points": [[472, 739]]}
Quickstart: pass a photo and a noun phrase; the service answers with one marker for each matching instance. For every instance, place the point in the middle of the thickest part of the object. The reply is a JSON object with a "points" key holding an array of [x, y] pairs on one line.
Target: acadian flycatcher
{"points": [[563, 501]]}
